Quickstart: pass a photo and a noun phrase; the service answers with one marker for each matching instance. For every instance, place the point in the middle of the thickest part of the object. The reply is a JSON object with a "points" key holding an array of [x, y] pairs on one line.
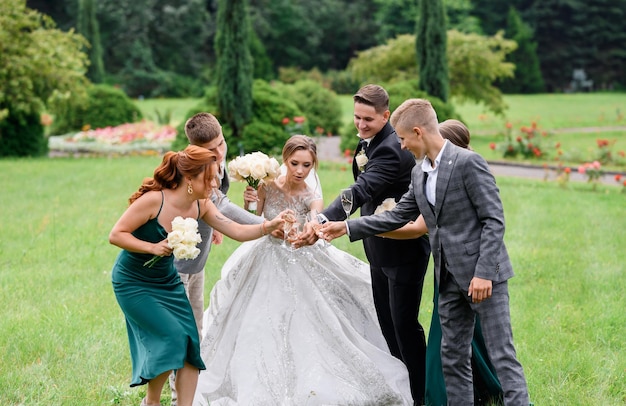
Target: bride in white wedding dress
{"points": [[296, 326]]}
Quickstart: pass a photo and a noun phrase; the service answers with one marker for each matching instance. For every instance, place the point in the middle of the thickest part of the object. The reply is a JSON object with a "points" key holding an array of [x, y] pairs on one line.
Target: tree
{"points": [[475, 62], [36, 60], [89, 28], [527, 70], [431, 49], [234, 68]]}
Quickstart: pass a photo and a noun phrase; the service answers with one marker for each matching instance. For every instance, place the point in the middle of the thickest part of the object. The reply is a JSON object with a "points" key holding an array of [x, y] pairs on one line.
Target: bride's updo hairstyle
{"points": [[297, 143], [175, 166]]}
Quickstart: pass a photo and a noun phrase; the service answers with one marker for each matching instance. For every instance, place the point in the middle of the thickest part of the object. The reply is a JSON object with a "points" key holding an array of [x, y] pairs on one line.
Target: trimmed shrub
{"points": [[104, 106], [22, 135], [319, 105], [266, 130]]}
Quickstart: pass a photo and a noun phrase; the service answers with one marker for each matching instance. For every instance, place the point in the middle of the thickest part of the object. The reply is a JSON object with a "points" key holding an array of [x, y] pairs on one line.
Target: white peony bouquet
{"points": [[254, 168], [182, 239]]}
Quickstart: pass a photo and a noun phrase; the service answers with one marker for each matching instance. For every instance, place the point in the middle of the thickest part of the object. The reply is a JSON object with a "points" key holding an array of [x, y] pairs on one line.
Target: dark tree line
{"points": [[167, 47]]}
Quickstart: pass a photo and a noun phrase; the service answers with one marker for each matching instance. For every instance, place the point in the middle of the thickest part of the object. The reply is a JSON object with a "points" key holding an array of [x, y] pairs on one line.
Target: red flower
{"points": [[347, 152], [299, 119], [286, 121], [509, 125], [557, 145], [492, 145], [568, 169], [519, 139], [618, 177]]}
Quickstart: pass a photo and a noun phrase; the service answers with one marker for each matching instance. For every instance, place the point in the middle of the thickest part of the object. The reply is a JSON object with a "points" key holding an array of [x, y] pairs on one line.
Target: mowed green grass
{"points": [[64, 341]]}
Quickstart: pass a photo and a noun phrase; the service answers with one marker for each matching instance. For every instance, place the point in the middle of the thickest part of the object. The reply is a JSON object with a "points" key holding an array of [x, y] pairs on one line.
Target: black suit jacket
{"points": [[387, 174]]}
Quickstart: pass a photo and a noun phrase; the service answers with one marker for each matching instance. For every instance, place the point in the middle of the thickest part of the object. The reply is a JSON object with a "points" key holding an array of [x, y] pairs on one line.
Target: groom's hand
{"points": [[333, 229]]}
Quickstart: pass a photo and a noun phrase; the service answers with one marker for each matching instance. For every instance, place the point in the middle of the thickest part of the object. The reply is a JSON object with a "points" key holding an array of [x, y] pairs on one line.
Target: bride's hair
{"points": [[297, 143], [175, 166]]}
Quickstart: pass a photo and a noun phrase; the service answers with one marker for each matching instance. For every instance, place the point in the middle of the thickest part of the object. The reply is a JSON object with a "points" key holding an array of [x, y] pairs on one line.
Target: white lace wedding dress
{"points": [[296, 333]]}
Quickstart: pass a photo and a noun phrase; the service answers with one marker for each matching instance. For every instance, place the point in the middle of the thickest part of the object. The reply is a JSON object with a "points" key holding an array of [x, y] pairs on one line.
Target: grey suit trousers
{"points": [[457, 315]]}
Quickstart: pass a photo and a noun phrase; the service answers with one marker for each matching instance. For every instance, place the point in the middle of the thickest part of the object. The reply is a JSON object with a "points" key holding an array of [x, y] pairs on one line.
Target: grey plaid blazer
{"points": [[466, 225]]}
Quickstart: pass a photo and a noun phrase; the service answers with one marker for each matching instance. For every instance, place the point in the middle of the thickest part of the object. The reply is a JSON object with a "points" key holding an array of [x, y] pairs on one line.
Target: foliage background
{"points": [[165, 47]]}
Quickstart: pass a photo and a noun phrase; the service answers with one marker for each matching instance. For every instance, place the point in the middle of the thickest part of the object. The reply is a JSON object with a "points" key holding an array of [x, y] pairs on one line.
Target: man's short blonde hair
{"points": [[415, 113]]}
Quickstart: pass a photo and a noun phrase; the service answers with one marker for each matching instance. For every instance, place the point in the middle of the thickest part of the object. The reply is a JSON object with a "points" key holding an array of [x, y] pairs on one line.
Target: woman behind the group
{"points": [[296, 326], [161, 328]]}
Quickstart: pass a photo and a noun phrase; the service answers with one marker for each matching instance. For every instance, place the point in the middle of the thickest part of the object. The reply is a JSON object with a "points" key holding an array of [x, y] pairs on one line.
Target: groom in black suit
{"points": [[382, 170]]}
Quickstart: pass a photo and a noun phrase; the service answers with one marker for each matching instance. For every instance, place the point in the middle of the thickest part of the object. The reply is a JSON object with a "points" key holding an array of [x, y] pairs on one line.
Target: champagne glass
{"points": [[287, 225], [346, 201], [312, 217], [296, 229]]}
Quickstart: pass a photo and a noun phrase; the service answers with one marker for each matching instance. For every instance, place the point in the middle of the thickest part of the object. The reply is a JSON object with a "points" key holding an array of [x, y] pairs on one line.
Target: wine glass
{"points": [[346, 201]]}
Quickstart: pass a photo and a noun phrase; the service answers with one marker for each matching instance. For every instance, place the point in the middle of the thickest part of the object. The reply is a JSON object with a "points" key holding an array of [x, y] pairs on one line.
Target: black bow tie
{"points": [[363, 144]]}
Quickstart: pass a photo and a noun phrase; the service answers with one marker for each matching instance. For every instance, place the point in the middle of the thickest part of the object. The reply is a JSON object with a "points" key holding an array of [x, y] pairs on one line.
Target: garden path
{"points": [[328, 150]]}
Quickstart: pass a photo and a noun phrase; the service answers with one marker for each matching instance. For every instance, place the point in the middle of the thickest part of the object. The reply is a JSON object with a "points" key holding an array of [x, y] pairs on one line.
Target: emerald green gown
{"points": [[162, 332], [487, 387]]}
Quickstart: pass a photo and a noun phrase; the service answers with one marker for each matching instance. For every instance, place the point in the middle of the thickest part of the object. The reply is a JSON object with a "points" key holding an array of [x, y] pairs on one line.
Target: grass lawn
{"points": [[63, 338]]}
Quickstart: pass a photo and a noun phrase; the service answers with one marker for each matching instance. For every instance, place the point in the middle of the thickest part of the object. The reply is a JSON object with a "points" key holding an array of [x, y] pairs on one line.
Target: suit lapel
{"points": [[444, 173]]}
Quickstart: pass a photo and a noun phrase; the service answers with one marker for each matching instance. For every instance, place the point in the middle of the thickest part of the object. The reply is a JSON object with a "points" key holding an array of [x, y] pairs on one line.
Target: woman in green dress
{"points": [[487, 389], [162, 332]]}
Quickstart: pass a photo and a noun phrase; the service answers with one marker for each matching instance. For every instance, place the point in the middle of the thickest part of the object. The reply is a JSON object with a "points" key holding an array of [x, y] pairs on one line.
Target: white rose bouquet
{"points": [[254, 168], [387, 204], [182, 239]]}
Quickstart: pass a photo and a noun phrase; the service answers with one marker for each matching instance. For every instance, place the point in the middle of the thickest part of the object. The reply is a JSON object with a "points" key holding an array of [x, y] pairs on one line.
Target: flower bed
{"points": [[141, 137]]}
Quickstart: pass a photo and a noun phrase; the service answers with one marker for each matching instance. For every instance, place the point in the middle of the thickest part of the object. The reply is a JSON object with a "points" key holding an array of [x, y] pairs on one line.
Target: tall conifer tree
{"points": [[234, 67], [88, 27], [431, 49]]}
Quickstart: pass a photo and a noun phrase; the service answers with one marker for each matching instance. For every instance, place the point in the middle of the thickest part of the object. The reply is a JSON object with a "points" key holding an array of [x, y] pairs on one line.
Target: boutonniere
{"points": [[361, 160]]}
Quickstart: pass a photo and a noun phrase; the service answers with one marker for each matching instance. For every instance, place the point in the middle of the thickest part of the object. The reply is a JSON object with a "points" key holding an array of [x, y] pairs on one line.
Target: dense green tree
{"points": [[36, 60], [395, 17], [234, 64], [460, 18], [431, 49], [527, 70], [586, 35], [475, 63], [89, 28], [307, 34]]}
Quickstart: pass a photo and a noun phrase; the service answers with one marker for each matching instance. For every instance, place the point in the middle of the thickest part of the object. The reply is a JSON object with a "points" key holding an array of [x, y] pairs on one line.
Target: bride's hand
{"points": [[275, 226], [308, 236], [249, 195]]}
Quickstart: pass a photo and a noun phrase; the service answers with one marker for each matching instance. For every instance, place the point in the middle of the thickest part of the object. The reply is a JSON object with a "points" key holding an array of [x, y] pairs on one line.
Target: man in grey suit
{"points": [[457, 195]]}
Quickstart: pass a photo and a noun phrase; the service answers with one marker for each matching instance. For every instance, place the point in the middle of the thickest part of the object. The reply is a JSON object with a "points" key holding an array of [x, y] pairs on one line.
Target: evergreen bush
{"points": [[22, 135], [104, 106], [319, 105]]}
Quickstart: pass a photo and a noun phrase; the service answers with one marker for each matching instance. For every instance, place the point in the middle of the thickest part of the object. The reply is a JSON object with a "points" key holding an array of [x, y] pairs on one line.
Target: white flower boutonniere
{"points": [[361, 160], [387, 204]]}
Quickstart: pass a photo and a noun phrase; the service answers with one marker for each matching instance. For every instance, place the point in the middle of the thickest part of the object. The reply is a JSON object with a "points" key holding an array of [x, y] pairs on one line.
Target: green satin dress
{"points": [[162, 332], [487, 389]]}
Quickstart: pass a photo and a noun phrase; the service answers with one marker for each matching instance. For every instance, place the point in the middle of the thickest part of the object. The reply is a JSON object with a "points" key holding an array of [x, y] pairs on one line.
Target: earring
{"points": [[189, 189]]}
